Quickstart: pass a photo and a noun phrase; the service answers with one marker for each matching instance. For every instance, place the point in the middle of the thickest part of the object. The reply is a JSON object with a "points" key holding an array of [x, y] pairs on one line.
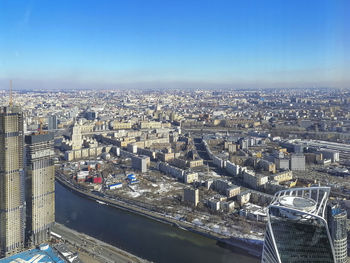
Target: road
{"points": [[96, 249]]}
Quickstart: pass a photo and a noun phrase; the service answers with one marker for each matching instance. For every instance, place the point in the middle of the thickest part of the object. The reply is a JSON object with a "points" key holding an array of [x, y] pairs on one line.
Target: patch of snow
{"points": [[197, 222]]}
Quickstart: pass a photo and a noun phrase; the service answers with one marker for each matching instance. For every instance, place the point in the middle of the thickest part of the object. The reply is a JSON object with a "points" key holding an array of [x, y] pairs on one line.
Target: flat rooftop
{"points": [[299, 203], [39, 255]]}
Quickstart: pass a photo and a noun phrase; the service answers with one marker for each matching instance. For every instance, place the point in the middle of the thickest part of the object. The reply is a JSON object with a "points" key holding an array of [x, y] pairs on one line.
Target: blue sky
{"points": [[262, 43]]}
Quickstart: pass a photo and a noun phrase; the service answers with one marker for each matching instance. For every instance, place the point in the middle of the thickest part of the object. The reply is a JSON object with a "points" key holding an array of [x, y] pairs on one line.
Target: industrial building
{"points": [[12, 206], [40, 187], [330, 154]]}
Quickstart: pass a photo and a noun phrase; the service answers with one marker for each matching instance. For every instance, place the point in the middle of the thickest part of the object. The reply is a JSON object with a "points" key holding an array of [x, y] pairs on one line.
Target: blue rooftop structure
{"points": [[131, 176], [39, 255], [134, 181]]}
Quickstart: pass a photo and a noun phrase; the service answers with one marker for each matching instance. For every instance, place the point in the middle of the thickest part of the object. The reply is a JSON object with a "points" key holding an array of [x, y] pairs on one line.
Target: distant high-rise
{"points": [[76, 137], [40, 187], [297, 230], [12, 205], [52, 122], [336, 218], [91, 115]]}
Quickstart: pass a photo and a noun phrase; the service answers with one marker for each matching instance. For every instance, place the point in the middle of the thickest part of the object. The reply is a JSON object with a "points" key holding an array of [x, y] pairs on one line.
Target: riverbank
{"points": [[250, 246], [92, 249]]}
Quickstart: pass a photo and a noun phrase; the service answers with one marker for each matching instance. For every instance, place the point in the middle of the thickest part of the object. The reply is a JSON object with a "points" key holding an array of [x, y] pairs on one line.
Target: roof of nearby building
{"points": [[43, 254], [300, 203]]}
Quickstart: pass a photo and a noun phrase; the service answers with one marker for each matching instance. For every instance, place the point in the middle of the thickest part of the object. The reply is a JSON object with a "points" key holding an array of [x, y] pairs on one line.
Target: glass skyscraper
{"points": [[297, 230], [336, 218]]}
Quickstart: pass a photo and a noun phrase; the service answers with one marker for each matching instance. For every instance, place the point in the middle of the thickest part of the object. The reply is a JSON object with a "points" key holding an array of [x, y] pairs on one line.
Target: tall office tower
{"points": [[52, 122], [336, 218], [297, 230], [12, 206], [40, 187]]}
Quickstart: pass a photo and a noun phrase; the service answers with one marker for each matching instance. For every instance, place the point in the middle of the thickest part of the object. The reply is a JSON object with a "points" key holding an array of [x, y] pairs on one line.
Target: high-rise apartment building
{"points": [[336, 218], [40, 187], [12, 205], [297, 230]]}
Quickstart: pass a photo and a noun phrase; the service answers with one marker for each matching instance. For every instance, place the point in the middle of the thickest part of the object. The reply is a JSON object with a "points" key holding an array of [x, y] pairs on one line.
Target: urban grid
{"points": [[238, 166]]}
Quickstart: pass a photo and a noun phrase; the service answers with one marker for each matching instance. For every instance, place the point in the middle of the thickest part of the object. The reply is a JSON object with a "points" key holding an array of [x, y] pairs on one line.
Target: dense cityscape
{"points": [[210, 162], [178, 131]]}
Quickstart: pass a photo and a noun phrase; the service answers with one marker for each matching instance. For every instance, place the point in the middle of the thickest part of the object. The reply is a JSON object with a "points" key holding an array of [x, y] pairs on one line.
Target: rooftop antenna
{"points": [[11, 101]]}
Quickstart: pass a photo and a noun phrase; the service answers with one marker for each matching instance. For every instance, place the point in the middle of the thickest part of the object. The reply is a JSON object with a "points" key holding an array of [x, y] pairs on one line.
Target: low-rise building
{"points": [[164, 157], [232, 191], [228, 206], [195, 163], [132, 147], [282, 163], [254, 180], [232, 168], [267, 166], [115, 186], [214, 204], [297, 162], [190, 178], [243, 198], [118, 125], [171, 170], [150, 125], [254, 212], [282, 176]]}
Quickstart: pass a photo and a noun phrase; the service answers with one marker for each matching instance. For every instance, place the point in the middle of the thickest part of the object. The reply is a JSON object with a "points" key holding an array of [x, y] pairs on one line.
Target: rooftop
{"points": [[43, 254], [299, 203]]}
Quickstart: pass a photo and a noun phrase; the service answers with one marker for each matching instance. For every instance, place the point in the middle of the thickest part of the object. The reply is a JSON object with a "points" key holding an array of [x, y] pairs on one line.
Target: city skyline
{"points": [[134, 44]]}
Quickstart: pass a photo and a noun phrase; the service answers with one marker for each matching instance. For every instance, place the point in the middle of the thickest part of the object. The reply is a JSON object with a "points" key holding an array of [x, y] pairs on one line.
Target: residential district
{"points": [[208, 161]]}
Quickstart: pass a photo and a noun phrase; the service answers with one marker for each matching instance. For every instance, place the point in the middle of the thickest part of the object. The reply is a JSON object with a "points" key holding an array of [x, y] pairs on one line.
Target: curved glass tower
{"points": [[297, 230]]}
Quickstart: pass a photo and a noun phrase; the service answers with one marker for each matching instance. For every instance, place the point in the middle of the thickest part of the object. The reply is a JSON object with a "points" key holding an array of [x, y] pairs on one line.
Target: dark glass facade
{"points": [[302, 241]]}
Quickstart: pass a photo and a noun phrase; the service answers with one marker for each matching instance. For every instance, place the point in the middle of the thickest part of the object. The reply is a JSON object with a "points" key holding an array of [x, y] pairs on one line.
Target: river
{"points": [[139, 235]]}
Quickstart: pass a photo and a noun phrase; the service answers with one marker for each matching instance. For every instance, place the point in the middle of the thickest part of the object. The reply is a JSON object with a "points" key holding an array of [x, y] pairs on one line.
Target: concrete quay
{"points": [[93, 250]]}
